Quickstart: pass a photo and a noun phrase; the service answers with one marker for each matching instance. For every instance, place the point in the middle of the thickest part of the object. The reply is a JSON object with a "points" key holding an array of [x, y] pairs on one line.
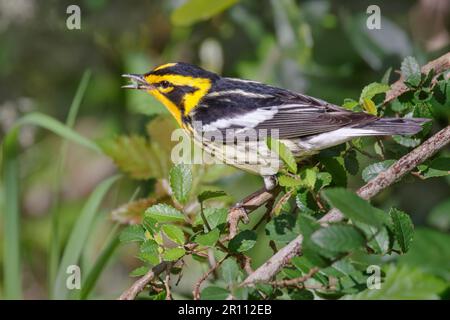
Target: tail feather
{"points": [[392, 126]]}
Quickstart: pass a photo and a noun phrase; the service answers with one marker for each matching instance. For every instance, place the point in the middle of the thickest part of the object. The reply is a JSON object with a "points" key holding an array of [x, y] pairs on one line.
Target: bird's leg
{"points": [[242, 208]]}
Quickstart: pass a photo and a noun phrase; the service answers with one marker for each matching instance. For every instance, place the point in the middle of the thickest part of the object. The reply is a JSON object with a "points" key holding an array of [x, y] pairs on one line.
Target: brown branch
{"points": [[404, 165], [141, 283], [249, 204], [196, 291], [295, 281], [439, 65]]}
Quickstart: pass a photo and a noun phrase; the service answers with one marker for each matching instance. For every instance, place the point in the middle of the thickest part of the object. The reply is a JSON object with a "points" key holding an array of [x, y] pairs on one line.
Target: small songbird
{"points": [[207, 105]]}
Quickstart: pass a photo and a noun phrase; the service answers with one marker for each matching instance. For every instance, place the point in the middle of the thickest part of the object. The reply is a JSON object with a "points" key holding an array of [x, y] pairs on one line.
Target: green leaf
{"points": [[351, 162], [230, 271], [337, 171], [309, 177], [404, 283], [243, 241], [193, 11], [180, 178], [288, 181], [403, 228], [305, 202], [429, 252], [323, 179], [353, 207], [208, 239], [58, 128], [386, 76], [79, 234], [406, 141], [439, 216], [283, 151], [173, 254], [214, 293], [373, 170], [338, 238], [149, 252], [164, 213], [410, 67], [206, 195], [139, 272], [372, 90], [174, 233], [283, 228], [132, 233], [439, 167], [214, 216], [350, 104]]}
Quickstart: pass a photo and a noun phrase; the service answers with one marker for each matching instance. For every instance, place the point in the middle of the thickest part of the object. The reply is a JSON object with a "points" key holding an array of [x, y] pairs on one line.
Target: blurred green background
{"points": [[322, 48]]}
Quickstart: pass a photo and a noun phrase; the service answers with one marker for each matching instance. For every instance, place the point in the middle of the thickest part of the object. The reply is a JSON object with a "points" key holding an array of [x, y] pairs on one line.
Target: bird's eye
{"points": [[164, 84]]}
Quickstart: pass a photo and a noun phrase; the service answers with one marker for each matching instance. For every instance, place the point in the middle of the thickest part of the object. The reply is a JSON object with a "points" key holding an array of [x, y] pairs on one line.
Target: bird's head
{"points": [[179, 86]]}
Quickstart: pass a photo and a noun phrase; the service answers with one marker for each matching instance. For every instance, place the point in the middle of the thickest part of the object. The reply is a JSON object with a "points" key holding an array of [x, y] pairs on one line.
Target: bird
{"points": [[232, 118]]}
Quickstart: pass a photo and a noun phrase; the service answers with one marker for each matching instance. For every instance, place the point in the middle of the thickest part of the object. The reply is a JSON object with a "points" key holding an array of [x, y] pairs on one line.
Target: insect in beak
{"points": [[137, 82]]}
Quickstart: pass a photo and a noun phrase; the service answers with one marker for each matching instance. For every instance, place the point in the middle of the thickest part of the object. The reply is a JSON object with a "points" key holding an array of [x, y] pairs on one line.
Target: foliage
{"points": [[55, 205]]}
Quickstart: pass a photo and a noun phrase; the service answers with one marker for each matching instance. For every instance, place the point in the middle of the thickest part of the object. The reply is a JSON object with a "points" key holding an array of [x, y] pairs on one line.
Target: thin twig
{"points": [[141, 283], [196, 291], [167, 285], [295, 281]]}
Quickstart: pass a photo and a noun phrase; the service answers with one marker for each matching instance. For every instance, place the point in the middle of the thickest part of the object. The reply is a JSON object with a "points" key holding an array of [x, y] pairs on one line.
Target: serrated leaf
{"points": [[208, 239], [180, 178], [337, 171], [371, 90], [410, 67], [373, 170], [148, 251], [214, 293], [288, 181], [140, 271], [283, 228], [323, 179], [132, 233], [403, 228], [206, 195], [283, 151], [305, 202], [439, 167], [214, 216], [193, 11], [338, 238], [173, 254], [164, 213], [406, 141], [174, 233], [243, 241], [353, 207], [135, 156]]}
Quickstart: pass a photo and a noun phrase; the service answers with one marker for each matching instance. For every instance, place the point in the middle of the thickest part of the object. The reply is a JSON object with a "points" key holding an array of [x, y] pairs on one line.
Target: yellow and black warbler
{"points": [[304, 124]]}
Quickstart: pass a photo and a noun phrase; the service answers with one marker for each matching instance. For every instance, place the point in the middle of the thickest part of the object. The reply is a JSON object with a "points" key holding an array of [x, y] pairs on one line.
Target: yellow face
{"points": [[175, 85]]}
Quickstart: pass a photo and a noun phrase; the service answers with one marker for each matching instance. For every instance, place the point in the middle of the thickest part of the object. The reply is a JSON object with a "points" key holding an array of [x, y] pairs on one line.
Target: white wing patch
{"points": [[248, 120], [332, 138], [238, 92]]}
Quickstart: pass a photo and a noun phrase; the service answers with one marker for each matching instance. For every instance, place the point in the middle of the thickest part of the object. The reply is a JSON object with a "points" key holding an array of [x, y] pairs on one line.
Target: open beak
{"points": [[137, 82]]}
